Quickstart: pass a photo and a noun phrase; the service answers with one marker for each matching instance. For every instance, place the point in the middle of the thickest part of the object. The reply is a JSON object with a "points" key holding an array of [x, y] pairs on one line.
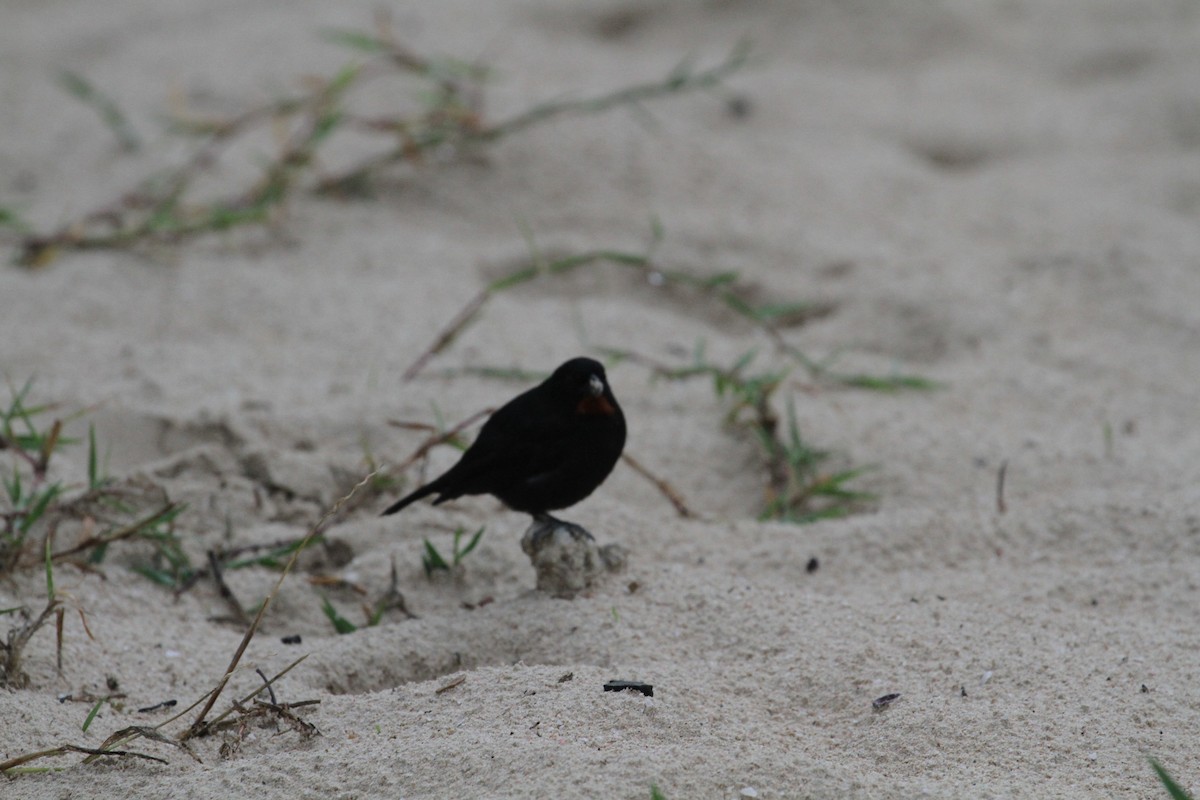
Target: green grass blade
{"points": [[80, 88], [513, 278], [340, 623], [432, 559], [833, 512], [888, 383], [13, 487], [11, 219], [459, 555], [717, 280], [275, 558], [325, 126], [39, 507], [377, 615], [92, 468], [355, 40], [161, 577], [97, 555], [87, 723], [834, 485], [343, 79], [1174, 789]]}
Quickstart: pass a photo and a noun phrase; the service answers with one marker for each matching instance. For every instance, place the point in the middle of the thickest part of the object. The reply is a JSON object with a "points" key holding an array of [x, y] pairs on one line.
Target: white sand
{"points": [[999, 195]]}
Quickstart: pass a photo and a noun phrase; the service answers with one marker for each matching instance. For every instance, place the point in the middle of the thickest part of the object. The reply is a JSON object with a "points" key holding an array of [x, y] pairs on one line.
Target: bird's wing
{"points": [[525, 438], [497, 459]]}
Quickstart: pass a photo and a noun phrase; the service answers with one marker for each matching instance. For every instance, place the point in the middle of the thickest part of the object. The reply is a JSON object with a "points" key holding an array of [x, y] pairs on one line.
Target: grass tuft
{"points": [[446, 119], [37, 512], [433, 561]]}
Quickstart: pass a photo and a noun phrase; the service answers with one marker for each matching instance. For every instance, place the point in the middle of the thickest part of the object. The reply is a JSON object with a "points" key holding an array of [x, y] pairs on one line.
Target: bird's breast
{"points": [[598, 405]]}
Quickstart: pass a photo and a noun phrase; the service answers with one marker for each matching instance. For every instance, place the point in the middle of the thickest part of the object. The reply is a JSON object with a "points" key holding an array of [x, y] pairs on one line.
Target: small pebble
{"points": [[880, 703]]}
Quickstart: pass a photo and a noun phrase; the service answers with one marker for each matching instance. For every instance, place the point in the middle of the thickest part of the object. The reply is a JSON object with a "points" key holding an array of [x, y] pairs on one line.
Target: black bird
{"points": [[544, 450]]}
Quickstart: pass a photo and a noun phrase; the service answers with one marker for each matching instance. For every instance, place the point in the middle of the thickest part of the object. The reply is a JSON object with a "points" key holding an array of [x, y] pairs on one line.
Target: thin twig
{"points": [[665, 488], [1001, 506], [17, 639], [683, 79], [267, 685], [12, 763], [123, 532], [243, 700], [448, 334], [438, 439]]}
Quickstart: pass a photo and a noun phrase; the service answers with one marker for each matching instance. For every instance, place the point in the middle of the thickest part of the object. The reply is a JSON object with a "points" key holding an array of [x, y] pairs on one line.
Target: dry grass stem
{"points": [[198, 726], [663, 487]]}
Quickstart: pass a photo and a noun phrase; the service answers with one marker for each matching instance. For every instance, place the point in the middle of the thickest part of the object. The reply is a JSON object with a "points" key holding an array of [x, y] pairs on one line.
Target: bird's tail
{"points": [[408, 499]]}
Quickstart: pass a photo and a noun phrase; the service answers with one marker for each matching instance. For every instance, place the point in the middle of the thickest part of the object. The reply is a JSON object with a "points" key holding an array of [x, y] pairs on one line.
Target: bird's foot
{"points": [[545, 525]]}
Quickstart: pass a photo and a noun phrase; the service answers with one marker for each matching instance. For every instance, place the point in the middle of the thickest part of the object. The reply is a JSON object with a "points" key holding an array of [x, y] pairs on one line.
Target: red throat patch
{"points": [[595, 405]]}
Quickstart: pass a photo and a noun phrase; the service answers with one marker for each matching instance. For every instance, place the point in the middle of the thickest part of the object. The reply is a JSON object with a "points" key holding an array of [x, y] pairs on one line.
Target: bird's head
{"points": [[584, 382]]}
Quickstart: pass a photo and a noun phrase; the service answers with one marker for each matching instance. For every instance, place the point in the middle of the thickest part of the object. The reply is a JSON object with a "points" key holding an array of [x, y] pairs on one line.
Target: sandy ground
{"points": [[1001, 196]]}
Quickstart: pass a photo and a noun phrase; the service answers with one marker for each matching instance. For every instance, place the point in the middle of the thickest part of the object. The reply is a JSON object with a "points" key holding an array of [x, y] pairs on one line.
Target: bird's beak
{"points": [[595, 386]]}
